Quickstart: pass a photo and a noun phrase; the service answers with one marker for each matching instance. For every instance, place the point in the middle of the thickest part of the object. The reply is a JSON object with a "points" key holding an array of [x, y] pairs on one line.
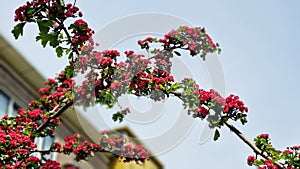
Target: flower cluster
{"points": [[51, 17], [162, 59], [200, 102], [145, 43], [51, 164], [196, 40], [14, 143], [45, 8], [136, 153], [122, 147], [144, 83], [234, 104], [81, 32], [72, 145], [85, 150], [287, 159]]}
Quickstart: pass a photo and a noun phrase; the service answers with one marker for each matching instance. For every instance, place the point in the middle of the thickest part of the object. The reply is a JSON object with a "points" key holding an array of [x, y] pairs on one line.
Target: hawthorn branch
{"points": [[250, 144], [66, 105], [42, 151], [243, 138], [62, 26]]}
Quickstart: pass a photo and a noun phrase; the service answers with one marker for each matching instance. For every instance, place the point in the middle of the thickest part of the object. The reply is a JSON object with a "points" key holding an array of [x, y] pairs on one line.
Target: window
{"points": [[7, 105], [4, 101], [44, 143]]}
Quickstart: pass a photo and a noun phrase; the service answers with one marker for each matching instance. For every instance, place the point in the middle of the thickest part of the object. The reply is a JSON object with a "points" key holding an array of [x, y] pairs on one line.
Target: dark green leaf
{"points": [[118, 116], [44, 25], [177, 53], [29, 11], [59, 51], [45, 38], [18, 30], [243, 120], [217, 135], [106, 98], [70, 55], [259, 162]]}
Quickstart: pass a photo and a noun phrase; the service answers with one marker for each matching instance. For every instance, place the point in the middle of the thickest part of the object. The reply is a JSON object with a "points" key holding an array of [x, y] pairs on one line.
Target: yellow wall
{"points": [[132, 165]]}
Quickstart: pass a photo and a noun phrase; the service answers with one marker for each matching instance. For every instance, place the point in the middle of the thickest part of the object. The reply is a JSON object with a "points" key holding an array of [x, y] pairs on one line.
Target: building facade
{"points": [[19, 83]]}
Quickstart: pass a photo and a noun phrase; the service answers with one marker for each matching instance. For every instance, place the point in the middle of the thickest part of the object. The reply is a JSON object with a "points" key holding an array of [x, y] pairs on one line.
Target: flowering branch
{"points": [[250, 144], [106, 80], [67, 103]]}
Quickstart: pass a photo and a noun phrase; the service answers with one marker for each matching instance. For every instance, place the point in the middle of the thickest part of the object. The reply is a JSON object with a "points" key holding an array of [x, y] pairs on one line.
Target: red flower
{"points": [[268, 163], [264, 136], [287, 152], [127, 53], [80, 22], [203, 111], [35, 113], [51, 164], [250, 160]]}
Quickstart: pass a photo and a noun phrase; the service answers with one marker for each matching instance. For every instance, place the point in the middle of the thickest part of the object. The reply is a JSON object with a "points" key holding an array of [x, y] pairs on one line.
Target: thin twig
{"points": [[250, 144]]}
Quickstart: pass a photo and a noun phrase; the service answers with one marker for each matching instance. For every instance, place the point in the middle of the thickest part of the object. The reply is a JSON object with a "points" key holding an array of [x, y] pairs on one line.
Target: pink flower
{"points": [[115, 85]]}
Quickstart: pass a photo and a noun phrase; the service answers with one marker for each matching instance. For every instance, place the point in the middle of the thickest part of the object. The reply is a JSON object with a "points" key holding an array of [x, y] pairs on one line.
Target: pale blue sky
{"points": [[260, 43]]}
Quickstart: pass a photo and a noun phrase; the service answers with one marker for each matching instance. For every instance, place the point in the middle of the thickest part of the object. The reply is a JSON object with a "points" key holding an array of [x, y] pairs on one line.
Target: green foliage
{"points": [[177, 53], [118, 117], [48, 37], [44, 25], [217, 135], [59, 51], [106, 98], [18, 30], [69, 70], [173, 88], [259, 162], [190, 99]]}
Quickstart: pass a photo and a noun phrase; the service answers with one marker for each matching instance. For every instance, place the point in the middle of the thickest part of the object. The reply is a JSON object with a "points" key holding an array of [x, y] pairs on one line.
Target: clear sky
{"points": [[260, 60]]}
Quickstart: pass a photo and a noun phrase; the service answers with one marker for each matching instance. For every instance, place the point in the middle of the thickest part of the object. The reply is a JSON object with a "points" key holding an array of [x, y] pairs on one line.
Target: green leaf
{"points": [[118, 116], [44, 25], [70, 55], [59, 51], [217, 135], [45, 38], [243, 120], [177, 53], [69, 71], [18, 30], [259, 162]]}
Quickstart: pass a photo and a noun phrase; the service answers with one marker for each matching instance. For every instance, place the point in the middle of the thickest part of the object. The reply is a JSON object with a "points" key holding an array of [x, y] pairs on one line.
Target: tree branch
{"points": [[66, 105], [250, 144]]}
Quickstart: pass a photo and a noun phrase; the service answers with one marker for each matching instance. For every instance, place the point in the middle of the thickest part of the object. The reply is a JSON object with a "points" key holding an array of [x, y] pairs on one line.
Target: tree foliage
{"points": [[106, 79]]}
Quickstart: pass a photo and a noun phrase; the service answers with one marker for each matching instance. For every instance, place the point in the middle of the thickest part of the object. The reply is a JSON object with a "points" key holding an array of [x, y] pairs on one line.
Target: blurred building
{"points": [[19, 83]]}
